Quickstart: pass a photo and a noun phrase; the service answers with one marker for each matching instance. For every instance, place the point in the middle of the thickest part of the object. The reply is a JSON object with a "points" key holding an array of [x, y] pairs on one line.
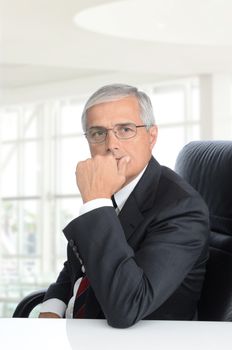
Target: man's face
{"points": [[138, 148]]}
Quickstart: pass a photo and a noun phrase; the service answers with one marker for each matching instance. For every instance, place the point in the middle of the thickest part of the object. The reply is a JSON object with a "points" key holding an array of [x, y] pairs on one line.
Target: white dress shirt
{"points": [[58, 306]]}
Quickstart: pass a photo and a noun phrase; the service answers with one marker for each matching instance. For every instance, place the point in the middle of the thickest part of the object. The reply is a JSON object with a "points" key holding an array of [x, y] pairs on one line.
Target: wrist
{"points": [[95, 204], [92, 197]]}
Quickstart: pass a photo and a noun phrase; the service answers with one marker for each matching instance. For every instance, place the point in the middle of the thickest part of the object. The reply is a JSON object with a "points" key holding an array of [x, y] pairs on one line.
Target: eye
{"points": [[125, 128], [96, 132]]}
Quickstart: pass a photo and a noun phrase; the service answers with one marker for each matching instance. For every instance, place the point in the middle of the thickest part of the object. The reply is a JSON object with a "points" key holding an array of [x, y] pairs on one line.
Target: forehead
{"points": [[114, 112]]}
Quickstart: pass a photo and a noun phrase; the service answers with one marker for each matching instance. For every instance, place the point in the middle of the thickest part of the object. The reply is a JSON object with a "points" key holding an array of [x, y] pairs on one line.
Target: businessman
{"points": [[139, 246]]}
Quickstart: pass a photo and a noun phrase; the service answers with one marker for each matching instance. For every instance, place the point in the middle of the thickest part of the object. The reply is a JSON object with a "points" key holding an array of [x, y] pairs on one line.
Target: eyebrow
{"points": [[104, 127], [97, 126]]}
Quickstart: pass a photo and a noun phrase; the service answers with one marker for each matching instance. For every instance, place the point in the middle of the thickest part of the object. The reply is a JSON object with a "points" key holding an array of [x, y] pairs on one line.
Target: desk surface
{"points": [[63, 334]]}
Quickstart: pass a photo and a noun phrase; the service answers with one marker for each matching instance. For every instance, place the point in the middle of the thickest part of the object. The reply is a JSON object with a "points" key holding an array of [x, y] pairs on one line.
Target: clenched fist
{"points": [[101, 176]]}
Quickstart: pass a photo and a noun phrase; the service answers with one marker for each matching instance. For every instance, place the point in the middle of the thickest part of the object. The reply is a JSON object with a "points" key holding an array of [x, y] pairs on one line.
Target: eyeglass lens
{"points": [[122, 131]]}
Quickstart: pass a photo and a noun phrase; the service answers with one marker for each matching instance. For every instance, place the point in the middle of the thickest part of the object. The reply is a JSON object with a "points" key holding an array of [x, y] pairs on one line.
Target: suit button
{"points": [[71, 243], [74, 248], [76, 252]]}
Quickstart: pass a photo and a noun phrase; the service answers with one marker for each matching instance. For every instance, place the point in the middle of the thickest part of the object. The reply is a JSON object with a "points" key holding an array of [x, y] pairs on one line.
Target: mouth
{"points": [[118, 158]]}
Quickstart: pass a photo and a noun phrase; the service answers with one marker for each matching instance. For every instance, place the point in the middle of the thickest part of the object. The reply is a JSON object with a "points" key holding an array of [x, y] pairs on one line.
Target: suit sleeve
{"points": [[61, 289], [129, 284]]}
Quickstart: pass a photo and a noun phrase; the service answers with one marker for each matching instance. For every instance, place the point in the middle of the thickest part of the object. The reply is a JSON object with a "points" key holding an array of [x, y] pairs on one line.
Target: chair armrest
{"points": [[28, 303]]}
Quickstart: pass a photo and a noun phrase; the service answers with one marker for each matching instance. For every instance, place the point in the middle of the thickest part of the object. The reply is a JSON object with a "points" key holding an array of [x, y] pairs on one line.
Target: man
{"points": [[146, 258]]}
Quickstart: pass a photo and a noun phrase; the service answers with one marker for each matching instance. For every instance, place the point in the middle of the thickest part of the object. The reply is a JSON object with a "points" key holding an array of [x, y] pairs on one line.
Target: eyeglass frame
{"points": [[108, 129]]}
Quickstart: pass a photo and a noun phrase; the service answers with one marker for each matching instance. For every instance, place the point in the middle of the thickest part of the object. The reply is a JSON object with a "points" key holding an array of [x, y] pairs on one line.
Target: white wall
{"points": [[216, 106]]}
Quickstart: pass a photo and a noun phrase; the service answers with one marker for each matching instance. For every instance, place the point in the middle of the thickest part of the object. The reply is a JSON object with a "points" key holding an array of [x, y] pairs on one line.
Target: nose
{"points": [[111, 142]]}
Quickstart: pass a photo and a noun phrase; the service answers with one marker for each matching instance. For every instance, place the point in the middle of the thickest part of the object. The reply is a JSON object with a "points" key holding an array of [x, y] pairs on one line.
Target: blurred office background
{"points": [[53, 55]]}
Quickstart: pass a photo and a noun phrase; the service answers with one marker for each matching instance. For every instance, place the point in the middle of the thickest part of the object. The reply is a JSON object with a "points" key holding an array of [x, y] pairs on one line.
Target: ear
{"points": [[153, 133]]}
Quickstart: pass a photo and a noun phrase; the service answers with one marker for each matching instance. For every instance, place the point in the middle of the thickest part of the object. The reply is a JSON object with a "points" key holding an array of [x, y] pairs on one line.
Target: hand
{"points": [[48, 315], [101, 176]]}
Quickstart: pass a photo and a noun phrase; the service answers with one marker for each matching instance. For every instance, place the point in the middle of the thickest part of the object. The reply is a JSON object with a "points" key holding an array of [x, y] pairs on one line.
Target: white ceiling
{"points": [[40, 43]]}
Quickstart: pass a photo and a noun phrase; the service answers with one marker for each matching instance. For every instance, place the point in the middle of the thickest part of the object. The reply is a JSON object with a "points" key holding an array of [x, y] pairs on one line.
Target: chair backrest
{"points": [[207, 166]]}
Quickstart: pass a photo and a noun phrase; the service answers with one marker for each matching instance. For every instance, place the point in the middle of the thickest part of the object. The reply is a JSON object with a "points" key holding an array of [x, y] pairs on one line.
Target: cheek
{"points": [[96, 149], [140, 149], [140, 155]]}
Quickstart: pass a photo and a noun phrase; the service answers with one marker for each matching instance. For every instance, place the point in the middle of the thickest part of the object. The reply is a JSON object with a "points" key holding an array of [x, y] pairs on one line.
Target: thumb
{"points": [[122, 165]]}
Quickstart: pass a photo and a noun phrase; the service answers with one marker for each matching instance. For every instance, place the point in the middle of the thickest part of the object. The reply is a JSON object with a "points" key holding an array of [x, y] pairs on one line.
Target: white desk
{"points": [[52, 334]]}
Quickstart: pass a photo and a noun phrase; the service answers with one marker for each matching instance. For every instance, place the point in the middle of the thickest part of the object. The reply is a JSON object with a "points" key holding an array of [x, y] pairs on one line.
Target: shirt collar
{"points": [[122, 195]]}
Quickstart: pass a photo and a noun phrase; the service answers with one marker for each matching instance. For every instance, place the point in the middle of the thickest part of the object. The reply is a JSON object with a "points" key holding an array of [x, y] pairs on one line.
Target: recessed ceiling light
{"points": [[197, 22]]}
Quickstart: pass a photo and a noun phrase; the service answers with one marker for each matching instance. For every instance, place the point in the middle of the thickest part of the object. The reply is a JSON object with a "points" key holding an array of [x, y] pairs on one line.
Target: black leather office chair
{"points": [[207, 166]]}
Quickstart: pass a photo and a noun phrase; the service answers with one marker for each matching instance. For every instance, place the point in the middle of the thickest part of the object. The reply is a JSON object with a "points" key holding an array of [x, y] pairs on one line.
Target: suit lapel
{"points": [[141, 199], [130, 216]]}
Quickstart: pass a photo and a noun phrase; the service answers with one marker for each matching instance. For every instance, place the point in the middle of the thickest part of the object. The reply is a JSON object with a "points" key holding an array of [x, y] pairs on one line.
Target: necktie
{"points": [[79, 311], [114, 202]]}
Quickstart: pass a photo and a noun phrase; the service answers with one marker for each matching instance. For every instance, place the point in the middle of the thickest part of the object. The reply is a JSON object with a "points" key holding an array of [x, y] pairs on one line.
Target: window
{"points": [[176, 109], [40, 146]]}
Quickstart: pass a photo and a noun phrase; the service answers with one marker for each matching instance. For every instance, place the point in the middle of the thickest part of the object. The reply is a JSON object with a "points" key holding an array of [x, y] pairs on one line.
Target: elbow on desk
{"points": [[120, 324], [122, 321]]}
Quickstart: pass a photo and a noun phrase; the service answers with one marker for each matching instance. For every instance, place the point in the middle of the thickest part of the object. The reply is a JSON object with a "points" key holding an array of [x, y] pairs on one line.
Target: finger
{"points": [[122, 165]]}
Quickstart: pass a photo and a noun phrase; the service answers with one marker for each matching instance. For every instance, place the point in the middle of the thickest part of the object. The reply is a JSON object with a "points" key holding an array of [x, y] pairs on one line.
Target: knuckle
{"points": [[97, 157]]}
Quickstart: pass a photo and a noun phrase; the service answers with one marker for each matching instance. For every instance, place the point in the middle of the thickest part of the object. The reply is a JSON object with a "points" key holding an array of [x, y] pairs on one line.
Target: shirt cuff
{"points": [[94, 204], [54, 305]]}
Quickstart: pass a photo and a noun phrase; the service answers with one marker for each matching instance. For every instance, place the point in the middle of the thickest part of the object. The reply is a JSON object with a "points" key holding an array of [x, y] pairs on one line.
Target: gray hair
{"points": [[114, 92]]}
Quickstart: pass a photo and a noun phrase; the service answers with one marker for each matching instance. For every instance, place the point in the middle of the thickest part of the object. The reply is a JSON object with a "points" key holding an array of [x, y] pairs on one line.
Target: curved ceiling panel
{"points": [[196, 22]]}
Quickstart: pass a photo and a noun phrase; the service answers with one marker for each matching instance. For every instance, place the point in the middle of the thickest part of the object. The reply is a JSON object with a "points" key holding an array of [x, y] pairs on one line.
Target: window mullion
{"points": [[20, 177], [47, 229]]}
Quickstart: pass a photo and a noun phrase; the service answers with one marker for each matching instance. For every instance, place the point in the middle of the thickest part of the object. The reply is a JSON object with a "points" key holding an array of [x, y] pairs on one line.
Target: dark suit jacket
{"points": [[146, 263]]}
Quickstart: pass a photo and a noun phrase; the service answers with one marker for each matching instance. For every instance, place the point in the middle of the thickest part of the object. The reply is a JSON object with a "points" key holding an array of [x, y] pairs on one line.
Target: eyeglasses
{"points": [[98, 134]]}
